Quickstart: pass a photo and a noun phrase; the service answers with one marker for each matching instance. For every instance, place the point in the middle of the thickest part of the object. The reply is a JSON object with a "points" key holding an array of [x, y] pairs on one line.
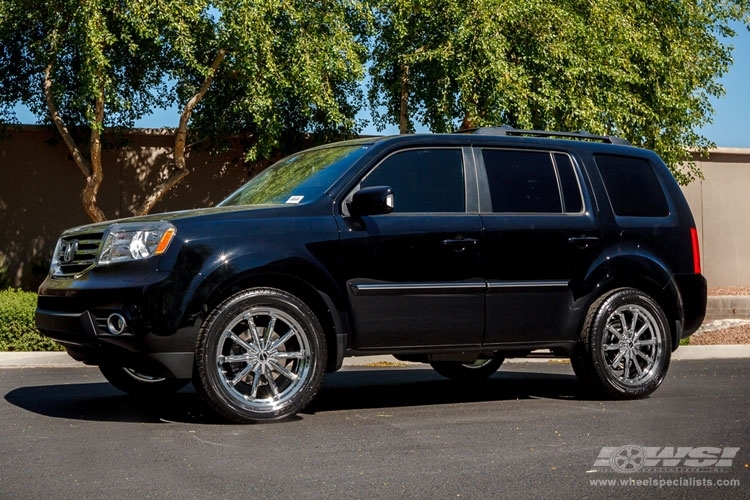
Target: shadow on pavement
{"points": [[347, 390]]}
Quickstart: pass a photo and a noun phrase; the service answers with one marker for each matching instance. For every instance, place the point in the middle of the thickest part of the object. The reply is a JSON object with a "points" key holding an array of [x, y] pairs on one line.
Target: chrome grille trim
{"points": [[75, 254]]}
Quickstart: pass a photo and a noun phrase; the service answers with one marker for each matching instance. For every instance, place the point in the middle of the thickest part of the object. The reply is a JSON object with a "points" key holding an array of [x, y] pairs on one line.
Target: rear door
{"points": [[540, 238], [414, 276]]}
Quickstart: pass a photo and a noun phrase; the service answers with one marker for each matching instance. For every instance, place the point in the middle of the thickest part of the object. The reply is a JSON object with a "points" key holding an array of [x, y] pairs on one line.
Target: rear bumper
{"points": [[693, 294]]}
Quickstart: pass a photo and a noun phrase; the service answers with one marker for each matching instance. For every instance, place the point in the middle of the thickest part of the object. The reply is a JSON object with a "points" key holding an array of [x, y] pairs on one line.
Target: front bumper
{"points": [[157, 338]]}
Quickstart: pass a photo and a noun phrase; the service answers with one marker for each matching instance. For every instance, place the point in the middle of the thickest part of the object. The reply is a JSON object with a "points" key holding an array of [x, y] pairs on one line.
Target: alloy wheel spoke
{"points": [[283, 370], [242, 374], [648, 359], [281, 341], [238, 358], [269, 331], [634, 323], [242, 343], [615, 332], [256, 382], [616, 361], [268, 374], [290, 355], [253, 330]]}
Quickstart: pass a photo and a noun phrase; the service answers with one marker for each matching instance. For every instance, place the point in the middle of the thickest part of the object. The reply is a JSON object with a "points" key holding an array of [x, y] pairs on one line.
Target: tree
{"points": [[645, 70], [86, 66]]}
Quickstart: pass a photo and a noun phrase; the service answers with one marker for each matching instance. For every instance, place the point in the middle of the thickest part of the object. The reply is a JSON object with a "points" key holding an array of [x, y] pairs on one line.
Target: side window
{"points": [[522, 181], [632, 186], [569, 183], [423, 180]]}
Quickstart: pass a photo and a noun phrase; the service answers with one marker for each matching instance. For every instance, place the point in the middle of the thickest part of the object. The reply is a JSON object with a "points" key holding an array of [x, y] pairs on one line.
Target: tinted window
{"points": [[569, 183], [632, 186], [423, 180], [522, 182]]}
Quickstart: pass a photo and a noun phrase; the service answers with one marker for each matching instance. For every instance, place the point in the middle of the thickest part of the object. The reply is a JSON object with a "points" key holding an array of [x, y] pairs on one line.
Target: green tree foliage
{"points": [[279, 69], [645, 70]]}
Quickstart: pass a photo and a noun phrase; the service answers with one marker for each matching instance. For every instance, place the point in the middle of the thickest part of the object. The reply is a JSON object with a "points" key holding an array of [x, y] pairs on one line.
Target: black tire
{"points": [[260, 355], [626, 346], [139, 384], [467, 372]]}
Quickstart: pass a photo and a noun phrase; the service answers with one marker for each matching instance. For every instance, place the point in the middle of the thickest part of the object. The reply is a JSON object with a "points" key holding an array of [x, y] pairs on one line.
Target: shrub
{"points": [[17, 329]]}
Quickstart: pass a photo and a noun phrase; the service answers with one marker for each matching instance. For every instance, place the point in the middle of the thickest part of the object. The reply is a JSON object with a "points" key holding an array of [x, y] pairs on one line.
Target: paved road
{"points": [[372, 433]]}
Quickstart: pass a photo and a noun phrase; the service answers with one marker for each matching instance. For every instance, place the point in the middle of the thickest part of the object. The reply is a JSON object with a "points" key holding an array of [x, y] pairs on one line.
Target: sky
{"points": [[731, 119]]}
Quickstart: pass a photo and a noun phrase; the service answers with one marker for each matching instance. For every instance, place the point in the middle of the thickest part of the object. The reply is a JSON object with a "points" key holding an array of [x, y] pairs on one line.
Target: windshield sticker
{"points": [[295, 199]]}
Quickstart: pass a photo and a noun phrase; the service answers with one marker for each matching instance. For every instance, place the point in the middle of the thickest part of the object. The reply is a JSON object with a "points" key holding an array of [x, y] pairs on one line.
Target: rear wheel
{"points": [[139, 384], [260, 355], [479, 370], [626, 346]]}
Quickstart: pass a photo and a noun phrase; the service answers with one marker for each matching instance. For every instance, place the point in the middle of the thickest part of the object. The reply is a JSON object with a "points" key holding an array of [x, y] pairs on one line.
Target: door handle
{"points": [[460, 244], [583, 241]]}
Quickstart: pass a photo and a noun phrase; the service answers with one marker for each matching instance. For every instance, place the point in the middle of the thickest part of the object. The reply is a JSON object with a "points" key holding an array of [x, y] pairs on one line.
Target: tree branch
{"points": [[181, 171], [82, 163]]}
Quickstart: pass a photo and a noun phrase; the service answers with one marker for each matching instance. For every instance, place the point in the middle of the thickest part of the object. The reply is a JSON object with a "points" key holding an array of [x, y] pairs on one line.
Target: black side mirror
{"points": [[374, 200]]}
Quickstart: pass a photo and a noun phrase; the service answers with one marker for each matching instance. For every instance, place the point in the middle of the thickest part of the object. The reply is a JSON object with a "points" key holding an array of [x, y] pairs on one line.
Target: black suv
{"points": [[457, 250]]}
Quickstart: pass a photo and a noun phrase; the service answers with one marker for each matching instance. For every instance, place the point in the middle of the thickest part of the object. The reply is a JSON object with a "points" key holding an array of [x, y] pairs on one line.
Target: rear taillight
{"points": [[696, 250]]}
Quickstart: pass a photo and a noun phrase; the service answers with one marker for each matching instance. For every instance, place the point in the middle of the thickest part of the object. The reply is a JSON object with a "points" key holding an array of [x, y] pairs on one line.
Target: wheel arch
{"points": [[323, 303], [641, 273]]}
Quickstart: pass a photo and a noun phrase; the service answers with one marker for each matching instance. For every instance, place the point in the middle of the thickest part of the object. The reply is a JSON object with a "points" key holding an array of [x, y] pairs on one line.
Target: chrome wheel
{"points": [[263, 358], [631, 347], [625, 345], [260, 355]]}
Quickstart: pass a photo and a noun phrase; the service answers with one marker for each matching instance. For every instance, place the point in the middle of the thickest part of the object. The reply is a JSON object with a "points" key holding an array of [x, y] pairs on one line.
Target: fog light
{"points": [[116, 324]]}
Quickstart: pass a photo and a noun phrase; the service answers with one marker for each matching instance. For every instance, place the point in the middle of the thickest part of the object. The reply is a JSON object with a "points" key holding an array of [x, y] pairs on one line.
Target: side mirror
{"points": [[374, 200]]}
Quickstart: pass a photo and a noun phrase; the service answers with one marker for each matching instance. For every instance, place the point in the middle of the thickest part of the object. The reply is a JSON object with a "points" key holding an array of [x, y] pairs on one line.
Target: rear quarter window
{"points": [[632, 186]]}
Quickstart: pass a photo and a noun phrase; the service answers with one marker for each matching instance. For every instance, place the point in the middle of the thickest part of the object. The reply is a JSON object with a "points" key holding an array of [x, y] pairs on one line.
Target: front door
{"points": [[414, 276]]}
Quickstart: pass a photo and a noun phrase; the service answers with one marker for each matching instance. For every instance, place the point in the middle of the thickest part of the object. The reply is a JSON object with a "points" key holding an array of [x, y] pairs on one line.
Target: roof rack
{"points": [[581, 134]]}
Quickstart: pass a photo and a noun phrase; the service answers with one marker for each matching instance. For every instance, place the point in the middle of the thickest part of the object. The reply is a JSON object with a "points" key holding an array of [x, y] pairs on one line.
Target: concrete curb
{"points": [[62, 360]]}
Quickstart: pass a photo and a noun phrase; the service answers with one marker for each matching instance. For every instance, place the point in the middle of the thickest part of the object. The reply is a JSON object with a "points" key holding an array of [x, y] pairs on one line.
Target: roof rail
{"points": [[581, 134]]}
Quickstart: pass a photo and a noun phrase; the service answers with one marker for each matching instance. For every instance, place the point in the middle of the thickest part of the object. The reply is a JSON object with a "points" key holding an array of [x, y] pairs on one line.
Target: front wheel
{"points": [[139, 384], [260, 355], [626, 346], [456, 370]]}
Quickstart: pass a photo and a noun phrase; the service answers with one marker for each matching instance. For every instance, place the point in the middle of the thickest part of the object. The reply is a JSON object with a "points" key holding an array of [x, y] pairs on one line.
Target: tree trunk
{"points": [[91, 170], [94, 181], [179, 169]]}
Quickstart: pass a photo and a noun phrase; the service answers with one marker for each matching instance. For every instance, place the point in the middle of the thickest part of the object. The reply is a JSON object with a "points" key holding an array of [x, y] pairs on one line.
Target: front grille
{"points": [[76, 254]]}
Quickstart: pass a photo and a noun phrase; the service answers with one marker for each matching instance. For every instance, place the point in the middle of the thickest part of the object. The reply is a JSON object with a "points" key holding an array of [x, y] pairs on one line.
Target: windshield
{"points": [[298, 178]]}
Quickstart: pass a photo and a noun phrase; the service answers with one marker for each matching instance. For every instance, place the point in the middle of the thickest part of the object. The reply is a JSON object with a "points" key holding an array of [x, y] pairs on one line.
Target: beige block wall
{"points": [[721, 207]]}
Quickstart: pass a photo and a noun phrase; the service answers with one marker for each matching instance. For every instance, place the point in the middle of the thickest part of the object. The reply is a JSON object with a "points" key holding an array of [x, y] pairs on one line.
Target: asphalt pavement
{"points": [[383, 433]]}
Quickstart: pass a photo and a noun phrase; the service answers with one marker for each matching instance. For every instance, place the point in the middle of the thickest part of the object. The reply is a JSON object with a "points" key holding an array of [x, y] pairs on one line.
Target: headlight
{"points": [[135, 241]]}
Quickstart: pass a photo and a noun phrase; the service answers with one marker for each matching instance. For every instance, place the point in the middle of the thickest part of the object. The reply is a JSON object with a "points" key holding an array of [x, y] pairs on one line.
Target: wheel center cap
{"points": [[263, 356]]}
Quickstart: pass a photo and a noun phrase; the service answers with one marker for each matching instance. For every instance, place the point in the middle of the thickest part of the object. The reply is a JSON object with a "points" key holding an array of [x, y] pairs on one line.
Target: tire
{"points": [[138, 384], [626, 346], [479, 370], [260, 355]]}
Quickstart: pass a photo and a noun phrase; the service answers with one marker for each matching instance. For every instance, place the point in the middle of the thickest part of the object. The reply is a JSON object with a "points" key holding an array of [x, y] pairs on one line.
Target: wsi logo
{"points": [[632, 458]]}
